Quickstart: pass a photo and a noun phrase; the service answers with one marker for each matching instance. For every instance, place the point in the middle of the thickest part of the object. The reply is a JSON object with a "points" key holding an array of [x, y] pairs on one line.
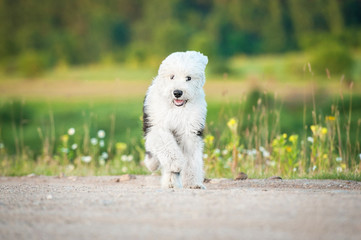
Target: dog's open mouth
{"points": [[179, 102]]}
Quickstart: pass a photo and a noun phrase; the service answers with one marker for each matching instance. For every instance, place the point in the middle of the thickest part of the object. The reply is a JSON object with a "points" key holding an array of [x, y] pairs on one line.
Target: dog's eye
{"points": [[172, 77], [188, 78]]}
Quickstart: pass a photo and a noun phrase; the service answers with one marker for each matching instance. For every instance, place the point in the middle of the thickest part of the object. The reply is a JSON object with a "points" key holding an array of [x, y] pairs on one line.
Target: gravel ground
{"points": [[135, 207]]}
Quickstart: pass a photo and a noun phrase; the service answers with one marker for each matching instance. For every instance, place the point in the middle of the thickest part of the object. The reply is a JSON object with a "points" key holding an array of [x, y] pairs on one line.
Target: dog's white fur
{"points": [[173, 126]]}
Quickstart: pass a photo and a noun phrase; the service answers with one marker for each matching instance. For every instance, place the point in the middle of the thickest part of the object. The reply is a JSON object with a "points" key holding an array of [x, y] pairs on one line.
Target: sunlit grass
{"points": [[90, 123], [247, 139]]}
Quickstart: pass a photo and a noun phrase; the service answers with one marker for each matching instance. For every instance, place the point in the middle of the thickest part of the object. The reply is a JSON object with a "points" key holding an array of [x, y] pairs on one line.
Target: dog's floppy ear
{"points": [[203, 60]]}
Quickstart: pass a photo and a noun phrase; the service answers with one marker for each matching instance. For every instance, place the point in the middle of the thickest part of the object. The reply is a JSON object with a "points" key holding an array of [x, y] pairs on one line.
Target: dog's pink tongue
{"points": [[178, 102]]}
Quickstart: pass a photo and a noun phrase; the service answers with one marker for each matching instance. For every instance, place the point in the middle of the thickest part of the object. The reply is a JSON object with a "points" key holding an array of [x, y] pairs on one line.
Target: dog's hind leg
{"points": [[151, 162]]}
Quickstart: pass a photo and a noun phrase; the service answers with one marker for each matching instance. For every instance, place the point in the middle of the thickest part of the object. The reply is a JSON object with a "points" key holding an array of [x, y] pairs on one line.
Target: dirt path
{"points": [[117, 208]]}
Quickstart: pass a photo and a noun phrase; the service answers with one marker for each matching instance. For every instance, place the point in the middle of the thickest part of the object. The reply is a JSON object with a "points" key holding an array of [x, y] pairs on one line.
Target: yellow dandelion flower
{"points": [[120, 146], [313, 128], [343, 165], [324, 131], [293, 138], [325, 156], [288, 149], [330, 118], [209, 140], [65, 138], [232, 123], [284, 135]]}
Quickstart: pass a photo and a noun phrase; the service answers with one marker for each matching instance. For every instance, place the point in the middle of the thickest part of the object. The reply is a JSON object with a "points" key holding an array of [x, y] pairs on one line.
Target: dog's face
{"points": [[181, 77]]}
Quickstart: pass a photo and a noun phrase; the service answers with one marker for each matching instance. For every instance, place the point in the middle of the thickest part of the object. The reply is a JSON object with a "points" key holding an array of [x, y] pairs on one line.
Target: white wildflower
{"points": [[205, 156], [314, 167], [310, 139], [64, 150], [271, 163], [94, 141], [74, 146], [217, 151], [252, 152], [71, 131], [86, 159], [225, 152], [339, 169], [101, 134], [105, 155], [266, 154], [339, 159], [126, 158], [101, 143], [294, 169], [101, 162]]}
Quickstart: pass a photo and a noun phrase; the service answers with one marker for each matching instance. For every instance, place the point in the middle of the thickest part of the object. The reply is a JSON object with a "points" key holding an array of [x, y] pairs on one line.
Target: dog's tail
{"points": [[151, 162]]}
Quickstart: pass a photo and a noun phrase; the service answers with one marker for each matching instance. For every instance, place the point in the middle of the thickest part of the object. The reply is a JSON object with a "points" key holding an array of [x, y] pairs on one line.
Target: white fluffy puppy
{"points": [[174, 115]]}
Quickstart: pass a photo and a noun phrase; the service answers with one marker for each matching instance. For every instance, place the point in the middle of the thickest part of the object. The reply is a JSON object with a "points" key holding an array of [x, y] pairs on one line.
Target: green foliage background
{"points": [[97, 43], [36, 35]]}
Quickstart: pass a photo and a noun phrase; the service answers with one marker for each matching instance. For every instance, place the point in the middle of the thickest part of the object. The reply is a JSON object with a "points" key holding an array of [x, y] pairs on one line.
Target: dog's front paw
{"points": [[171, 180]]}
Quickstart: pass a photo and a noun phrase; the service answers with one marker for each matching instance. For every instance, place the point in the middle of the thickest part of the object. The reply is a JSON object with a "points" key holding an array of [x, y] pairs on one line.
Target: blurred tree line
{"points": [[39, 34]]}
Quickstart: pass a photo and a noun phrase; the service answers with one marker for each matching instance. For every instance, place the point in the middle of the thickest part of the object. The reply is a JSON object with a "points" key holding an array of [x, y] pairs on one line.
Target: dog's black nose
{"points": [[177, 93]]}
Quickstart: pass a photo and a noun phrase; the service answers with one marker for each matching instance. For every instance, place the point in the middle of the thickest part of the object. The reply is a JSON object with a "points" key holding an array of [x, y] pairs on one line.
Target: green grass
{"points": [[334, 175], [34, 134], [35, 138], [290, 67], [30, 115], [96, 72]]}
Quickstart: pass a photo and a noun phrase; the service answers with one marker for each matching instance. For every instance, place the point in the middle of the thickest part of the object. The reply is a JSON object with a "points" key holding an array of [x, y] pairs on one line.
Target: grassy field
{"points": [[87, 121]]}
